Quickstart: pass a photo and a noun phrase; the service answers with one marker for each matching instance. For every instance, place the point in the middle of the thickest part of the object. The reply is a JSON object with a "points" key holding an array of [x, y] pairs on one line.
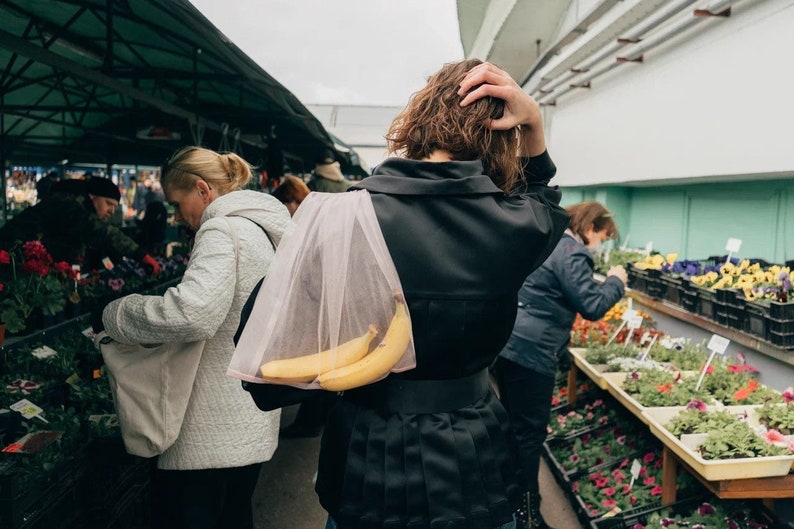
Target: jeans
{"points": [[331, 524]]}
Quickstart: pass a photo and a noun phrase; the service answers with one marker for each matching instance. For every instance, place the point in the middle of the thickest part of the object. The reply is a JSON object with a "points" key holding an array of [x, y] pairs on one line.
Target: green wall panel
{"points": [[696, 220]]}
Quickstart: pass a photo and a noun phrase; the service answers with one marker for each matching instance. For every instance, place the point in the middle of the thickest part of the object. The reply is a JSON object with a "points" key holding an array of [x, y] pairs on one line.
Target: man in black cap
{"points": [[71, 223], [328, 177]]}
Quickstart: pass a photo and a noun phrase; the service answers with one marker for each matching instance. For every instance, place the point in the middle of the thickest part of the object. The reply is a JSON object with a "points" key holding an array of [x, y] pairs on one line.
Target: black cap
{"points": [[326, 156], [103, 187]]}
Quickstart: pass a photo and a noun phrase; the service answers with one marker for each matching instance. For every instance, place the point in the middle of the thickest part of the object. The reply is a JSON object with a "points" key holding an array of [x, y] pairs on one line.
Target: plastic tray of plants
{"points": [[705, 512]]}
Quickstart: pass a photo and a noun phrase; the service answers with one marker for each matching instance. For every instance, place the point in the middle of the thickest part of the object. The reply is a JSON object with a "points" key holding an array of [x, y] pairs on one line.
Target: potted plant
{"points": [[31, 285]]}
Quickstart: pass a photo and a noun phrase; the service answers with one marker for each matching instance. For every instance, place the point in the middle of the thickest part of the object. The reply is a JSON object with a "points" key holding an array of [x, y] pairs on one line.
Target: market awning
{"points": [[122, 81]]}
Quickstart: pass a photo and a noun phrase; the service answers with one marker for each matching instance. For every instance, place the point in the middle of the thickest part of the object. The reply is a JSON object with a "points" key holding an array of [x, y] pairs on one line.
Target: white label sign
{"points": [[628, 315], [636, 466], [28, 409], [649, 247], [635, 322], [718, 344], [733, 245]]}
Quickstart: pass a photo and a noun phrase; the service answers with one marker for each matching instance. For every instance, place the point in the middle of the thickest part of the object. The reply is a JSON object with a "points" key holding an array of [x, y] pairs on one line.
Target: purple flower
{"points": [[696, 404], [782, 275], [621, 440], [575, 458], [116, 283], [706, 508]]}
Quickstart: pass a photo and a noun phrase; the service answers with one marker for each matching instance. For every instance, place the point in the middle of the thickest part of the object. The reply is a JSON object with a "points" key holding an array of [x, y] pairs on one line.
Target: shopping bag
{"points": [[151, 387], [331, 313]]}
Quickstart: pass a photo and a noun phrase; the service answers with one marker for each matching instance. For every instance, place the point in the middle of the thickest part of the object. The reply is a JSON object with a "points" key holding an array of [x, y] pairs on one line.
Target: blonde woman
{"points": [[206, 478]]}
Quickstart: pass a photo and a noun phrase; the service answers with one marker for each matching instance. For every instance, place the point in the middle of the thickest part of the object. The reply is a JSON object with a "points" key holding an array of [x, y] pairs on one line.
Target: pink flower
{"points": [[650, 480], [656, 491], [5, 257], [705, 509], [601, 482], [608, 503], [624, 463], [621, 440], [649, 457], [773, 436], [609, 492], [788, 394], [632, 500], [575, 486], [626, 489]]}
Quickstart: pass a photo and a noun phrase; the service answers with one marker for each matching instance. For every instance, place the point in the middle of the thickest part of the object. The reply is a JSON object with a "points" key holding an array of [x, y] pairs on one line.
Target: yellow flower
{"points": [[744, 264], [712, 276], [671, 257], [754, 268]]}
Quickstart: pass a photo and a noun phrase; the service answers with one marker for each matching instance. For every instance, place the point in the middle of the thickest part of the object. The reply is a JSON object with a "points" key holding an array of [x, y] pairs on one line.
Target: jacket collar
{"points": [[400, 176]]}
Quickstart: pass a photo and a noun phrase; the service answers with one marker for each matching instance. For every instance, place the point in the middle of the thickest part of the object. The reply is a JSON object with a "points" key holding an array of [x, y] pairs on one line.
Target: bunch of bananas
{"points": [[351, 364]]}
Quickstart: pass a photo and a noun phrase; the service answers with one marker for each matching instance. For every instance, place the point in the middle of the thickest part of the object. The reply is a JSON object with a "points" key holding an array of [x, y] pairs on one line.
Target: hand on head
{"points": [[488, 80]]}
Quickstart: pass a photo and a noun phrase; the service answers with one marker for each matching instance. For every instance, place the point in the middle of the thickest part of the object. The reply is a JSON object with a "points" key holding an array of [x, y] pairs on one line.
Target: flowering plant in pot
{"points": [[30, 283], [728, 514], [599, 447], [779, 417], [608, 489], [593, 414]]}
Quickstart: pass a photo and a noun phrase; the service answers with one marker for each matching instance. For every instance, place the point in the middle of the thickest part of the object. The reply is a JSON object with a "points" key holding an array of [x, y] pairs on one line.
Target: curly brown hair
{"points": [[434, 120]]}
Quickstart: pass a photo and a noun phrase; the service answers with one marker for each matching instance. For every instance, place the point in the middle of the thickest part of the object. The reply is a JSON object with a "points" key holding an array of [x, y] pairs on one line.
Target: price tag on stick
{"points": [[647, 350], [717, 345], [28, 409], [732, 246], [636, 467]]}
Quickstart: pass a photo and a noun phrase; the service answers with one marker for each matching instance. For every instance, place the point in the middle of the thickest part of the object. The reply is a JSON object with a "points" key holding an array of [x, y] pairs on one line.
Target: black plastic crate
{"points": [[757, 315], [706, 304], [783, 340], [631, 518], [58, 510], [637, 277], [781, 311], [777, 326], [673, 289], [689, 296]]}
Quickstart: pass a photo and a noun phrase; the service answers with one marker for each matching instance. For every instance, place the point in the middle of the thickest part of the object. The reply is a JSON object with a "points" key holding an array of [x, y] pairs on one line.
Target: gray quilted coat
{"points": [[222, 427]]}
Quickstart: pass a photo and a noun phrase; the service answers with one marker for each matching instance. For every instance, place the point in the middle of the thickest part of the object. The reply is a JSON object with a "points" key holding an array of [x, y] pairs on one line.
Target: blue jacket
{"points": [[548, 302]]}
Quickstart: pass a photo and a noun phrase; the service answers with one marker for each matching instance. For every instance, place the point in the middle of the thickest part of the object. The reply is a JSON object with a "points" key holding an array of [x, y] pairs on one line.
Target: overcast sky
{"points": [[363, 52]]}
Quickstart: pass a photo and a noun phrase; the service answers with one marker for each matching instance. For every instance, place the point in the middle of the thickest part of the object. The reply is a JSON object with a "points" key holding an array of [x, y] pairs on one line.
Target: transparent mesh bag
{"points": [[331, 312]]}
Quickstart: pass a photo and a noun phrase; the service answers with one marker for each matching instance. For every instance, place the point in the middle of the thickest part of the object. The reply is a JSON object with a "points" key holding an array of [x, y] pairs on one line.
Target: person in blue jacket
{"points": [[548, 302]]}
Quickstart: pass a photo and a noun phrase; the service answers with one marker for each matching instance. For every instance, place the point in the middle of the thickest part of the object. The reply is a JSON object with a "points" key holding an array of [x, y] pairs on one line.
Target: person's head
{"points": [[434, 121], [291, 192], [194, 177], [593, 222], [104, 196]]}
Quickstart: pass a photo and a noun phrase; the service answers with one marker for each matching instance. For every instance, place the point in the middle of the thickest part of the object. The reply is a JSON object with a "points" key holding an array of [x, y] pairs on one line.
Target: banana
{"points": [[306, 368], [379, 361]]}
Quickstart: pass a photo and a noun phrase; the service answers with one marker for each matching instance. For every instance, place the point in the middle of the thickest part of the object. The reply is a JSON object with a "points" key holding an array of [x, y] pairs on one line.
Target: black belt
{"points": [[398, 395]]}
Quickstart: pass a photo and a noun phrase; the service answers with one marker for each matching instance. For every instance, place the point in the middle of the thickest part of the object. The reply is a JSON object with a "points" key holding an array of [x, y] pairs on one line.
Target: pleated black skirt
{"points": [[453, 470]]}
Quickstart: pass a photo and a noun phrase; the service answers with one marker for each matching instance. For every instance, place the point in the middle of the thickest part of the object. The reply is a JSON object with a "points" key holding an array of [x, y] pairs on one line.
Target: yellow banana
{"points": [[379, 361], [306, 368]]}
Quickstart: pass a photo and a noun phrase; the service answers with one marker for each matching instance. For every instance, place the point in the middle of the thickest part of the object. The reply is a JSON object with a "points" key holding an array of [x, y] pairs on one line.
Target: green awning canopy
{"points": [[129, 81]]}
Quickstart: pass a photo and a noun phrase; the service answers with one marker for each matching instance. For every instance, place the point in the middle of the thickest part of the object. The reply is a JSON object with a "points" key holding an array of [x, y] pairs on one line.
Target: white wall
{"points": [[719, 100]]}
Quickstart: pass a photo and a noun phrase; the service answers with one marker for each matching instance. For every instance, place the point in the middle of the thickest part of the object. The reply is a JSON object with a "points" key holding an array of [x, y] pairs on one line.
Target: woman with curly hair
{"points": [[466, 214]]}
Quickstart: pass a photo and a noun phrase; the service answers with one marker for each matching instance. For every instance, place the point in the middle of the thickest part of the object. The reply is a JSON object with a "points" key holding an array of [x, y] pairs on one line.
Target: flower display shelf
{"points": [[715, 470], [593, 371]]}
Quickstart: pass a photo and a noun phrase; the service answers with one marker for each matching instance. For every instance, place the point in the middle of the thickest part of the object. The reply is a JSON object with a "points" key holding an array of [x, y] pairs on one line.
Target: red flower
{"points": [[649, 457], [2, 286], [650, 480], [632, 500], [5, 257], [665, 388], [609, 491], [62, 267], [608, 503], [709, 370], [656, 491], [626, 489], [601, 482]]}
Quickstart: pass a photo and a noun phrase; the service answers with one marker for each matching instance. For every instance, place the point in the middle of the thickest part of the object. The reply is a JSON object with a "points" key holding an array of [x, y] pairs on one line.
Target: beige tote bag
{"points": [[151, 387]]}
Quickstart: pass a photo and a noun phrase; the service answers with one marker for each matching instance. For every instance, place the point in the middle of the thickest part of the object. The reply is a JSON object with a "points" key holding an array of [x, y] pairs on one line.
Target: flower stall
{"points": [[63, 463], [639, 406]]}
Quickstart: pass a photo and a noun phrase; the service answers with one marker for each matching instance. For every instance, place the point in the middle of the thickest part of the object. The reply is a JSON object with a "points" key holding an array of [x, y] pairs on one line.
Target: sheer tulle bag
{"points": [[331, 312]]}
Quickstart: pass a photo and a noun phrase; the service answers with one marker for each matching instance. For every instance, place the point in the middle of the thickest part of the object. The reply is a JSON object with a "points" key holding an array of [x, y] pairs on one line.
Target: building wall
{"points": [[713, 102], [696, 220]]}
